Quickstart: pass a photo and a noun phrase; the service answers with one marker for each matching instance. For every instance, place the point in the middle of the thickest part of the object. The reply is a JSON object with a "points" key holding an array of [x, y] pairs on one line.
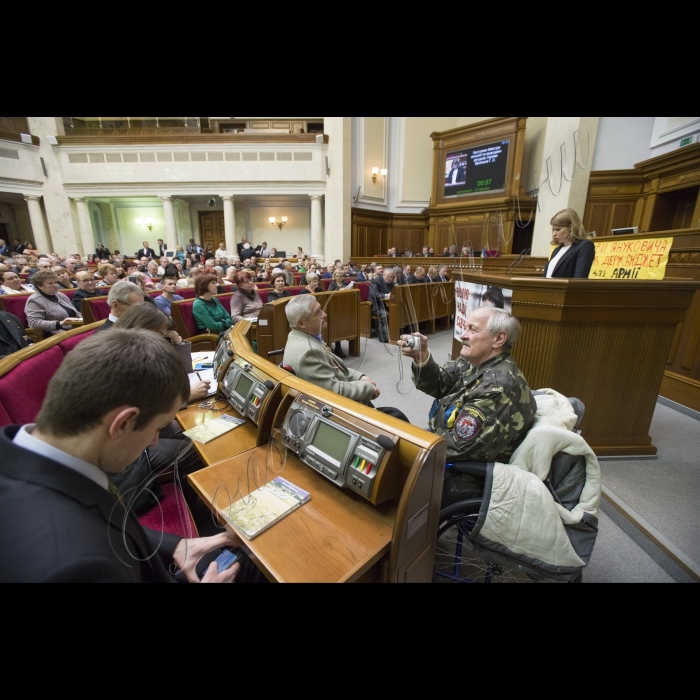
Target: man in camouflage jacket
{"points": [[484, 407]]}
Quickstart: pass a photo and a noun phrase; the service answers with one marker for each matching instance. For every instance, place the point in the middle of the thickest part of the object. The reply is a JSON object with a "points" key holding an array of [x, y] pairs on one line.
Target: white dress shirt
{"points": [[555, 261], [26, 441]]}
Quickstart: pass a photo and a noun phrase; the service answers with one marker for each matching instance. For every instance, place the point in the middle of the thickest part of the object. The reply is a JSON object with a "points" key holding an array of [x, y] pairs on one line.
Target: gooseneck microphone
{"points": [[515, 265]]}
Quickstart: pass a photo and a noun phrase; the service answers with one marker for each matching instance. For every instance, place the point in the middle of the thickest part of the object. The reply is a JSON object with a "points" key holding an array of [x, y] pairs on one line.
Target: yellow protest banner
{"points": [[642, 259]]}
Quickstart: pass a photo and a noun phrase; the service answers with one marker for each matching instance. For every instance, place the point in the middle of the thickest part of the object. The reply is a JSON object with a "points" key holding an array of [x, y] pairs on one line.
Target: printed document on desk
{"points": [[265, 507]]}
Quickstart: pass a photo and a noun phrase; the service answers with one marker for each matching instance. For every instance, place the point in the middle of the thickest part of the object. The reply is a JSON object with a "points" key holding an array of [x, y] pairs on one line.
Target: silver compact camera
{"points": [[412, 343]]}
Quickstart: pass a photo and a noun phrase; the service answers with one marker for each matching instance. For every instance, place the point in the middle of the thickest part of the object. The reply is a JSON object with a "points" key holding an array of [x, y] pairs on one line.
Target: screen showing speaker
{"points": [[477, 170]]}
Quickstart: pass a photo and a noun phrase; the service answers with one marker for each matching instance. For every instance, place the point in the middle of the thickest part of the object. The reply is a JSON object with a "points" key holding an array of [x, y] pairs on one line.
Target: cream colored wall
{"points": [[296, 233], [375, 156], [131, 235]]}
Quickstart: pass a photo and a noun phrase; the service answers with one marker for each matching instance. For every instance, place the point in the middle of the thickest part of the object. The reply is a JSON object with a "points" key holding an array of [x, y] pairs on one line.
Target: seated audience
{"points": [[108, 274], [246, 302], [484, 408], [380, 290], [13, 337], [191, 281], [12, 284], [328, 274], [122, 296], [312, 270], [418, 277], [339, 282], [312, 282], [210, 315], [87, 290], [64, 280], [48, 310], [165, 301], [312, 360], [219, 272], [278, 288], [433, 273], [55, 475]]}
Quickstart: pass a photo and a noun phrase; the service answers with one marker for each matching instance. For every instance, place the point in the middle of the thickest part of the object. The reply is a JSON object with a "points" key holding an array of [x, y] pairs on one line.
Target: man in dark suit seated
{"points": [[122, 296], [380, 290], [61, 518], [146, 251], [418, 277], [12, 336]]}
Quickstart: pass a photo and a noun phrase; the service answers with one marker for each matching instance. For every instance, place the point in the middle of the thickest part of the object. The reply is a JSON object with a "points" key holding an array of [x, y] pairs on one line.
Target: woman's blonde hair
{"points": [[568, 218]]}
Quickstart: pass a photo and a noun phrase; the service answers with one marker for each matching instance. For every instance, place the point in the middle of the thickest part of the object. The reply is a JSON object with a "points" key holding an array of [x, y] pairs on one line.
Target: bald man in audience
{"points": [[122, 296], [312, 360]]}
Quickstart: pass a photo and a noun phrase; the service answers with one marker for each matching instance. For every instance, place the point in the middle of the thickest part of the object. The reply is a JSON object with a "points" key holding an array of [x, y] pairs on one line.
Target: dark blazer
{"points": [[105, 326], [380, 287], [276, 296], [162, 250], [412, 279], [143, 253], [19, 249], [57, 526], [12, 336], [5, 251], [576, 263], [82, 294]]}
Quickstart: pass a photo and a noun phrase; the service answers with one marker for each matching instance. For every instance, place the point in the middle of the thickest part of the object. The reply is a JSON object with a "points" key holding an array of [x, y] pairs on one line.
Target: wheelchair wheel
{"points": [[457, 560]]}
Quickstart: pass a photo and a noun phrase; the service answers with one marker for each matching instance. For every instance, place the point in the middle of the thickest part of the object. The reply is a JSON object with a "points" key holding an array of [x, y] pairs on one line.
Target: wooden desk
{"points": [[335, 538], [240, 440]]}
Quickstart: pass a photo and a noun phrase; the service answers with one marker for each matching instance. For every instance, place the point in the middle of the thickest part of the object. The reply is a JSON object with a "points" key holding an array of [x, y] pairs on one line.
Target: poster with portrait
{"points": [[471, 296]]}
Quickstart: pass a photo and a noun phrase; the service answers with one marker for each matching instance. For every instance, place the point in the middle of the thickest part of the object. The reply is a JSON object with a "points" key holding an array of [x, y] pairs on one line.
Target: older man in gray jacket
{"points": [[312, 360]]}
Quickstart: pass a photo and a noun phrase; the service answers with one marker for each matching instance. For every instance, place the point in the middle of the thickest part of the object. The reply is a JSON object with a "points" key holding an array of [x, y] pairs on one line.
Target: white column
{"points": [[87, 238], [317, 248], [36, 216], [338, 238], [170, 226], [558, 193], [230, 224]]}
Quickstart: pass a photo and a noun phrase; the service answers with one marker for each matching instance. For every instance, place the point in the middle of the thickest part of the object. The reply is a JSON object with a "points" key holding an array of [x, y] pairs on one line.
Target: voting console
{"points": [[375, 482]]}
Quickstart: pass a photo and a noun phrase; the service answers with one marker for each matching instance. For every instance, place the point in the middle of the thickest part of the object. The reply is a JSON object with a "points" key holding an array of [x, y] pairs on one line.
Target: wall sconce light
{"points": [[148, 222], [375, 174], [280, 224]]}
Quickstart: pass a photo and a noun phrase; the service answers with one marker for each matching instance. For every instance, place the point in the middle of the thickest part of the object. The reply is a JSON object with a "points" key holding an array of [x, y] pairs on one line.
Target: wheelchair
{"points": [[460, 560]]}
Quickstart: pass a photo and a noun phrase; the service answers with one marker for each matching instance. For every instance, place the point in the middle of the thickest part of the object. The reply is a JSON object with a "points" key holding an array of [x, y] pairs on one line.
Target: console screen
{"points": [[244, 386], [477, 170], [332, 442]]}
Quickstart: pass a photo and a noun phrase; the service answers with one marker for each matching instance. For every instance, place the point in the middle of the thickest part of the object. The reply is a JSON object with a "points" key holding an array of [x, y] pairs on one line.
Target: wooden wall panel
{"points": [[19, 125]]}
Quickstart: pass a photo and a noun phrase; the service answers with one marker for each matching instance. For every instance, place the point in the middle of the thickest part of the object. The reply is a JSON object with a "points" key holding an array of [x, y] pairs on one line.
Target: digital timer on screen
{"points": [[477, 170]]}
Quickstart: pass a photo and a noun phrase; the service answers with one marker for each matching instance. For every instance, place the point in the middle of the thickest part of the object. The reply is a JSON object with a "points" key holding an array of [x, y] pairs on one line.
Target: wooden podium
{"points": [[604, 342]]}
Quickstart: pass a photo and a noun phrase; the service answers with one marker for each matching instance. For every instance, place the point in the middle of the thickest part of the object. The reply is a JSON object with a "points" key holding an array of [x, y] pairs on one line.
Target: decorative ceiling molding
{"points": [[194, 188]]}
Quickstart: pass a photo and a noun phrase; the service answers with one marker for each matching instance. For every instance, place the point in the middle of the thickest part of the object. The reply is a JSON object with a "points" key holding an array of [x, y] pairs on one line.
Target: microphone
{"points": [[276, 353], [514, 266]]}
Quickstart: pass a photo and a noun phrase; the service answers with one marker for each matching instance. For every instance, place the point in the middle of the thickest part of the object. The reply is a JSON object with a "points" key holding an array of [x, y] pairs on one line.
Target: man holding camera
{"points": [[484, 407]]}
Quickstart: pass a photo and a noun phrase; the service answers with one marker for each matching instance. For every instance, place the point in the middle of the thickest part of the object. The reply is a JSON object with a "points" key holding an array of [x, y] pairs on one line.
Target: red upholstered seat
{"points": [[188, 293], [4, 417], [172, 516], [71, 343], [187, 313], [70, 292], [14, 304], [23, 389], [225, 301], [295, 291], [364, 290], [263, 285], [100, 308], [264, 294], [326, 284]]}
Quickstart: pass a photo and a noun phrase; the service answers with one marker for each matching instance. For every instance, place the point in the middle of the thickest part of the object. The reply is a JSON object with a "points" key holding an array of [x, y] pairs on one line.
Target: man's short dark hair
{"points": [[98, 377], [170, 278]]}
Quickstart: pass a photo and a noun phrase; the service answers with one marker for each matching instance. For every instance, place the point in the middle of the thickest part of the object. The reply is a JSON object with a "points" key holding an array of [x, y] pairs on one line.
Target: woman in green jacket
{"points": [[210, 315]]}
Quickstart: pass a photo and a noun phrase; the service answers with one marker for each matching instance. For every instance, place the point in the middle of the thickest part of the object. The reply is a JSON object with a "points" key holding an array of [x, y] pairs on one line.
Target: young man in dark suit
{"points": [[61, 519], [12, 336], [162, 248]]}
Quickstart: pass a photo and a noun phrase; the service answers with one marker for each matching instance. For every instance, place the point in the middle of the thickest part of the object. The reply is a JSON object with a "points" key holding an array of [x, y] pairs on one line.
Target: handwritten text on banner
{"points": [[643, 259]]}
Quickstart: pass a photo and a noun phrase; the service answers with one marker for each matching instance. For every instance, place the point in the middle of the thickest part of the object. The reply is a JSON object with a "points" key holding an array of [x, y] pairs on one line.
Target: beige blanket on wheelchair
{"points": [[523, 516]]}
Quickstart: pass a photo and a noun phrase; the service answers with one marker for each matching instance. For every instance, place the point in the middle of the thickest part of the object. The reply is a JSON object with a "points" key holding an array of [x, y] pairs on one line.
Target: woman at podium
{"points": [[575, 253]]}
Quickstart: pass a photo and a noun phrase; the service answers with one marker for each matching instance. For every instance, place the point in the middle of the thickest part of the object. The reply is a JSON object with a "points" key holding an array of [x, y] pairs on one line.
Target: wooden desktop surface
{"points": [[335, 538], [240, 440]]}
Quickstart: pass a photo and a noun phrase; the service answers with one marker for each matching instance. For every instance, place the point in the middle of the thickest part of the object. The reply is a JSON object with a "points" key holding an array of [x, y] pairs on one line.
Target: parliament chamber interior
{"points": [[324, 350]]}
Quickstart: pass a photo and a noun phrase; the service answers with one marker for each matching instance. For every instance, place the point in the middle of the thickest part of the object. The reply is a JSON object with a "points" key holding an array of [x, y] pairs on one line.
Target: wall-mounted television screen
{"points": [[477, 170]]}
